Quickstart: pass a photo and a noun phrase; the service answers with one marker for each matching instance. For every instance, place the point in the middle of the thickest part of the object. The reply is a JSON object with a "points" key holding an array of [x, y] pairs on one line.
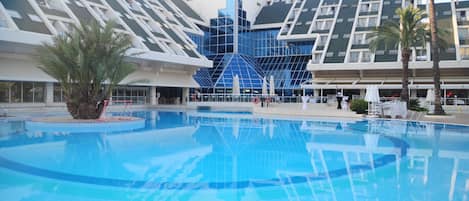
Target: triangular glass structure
{"points": [[246, 67]]}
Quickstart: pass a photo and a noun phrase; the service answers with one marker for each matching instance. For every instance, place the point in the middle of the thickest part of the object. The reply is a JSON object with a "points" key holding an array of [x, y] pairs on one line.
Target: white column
{"points": [[235, 27], [153, 99], [362, 93], [49, 93], [316, 92], [413, 93], [185, 95]]}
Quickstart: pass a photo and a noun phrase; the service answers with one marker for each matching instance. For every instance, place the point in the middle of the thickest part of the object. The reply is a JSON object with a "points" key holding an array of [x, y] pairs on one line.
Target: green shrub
{"points": [[359, 106], [414, 105]]}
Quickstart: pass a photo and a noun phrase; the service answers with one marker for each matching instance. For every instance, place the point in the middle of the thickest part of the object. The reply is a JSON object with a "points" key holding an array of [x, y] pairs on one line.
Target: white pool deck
{"points": [[295, 109], [274, 109]]}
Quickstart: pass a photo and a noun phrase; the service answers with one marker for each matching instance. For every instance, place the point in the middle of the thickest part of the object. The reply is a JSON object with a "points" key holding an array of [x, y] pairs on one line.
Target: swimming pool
{"points": [[194, 155]]}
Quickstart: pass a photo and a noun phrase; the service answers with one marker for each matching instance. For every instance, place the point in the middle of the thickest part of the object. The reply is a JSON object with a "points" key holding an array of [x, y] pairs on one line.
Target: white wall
{"points": [[21, 69]]}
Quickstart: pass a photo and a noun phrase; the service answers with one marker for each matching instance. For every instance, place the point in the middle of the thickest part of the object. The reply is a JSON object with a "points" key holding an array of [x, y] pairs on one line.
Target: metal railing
{"points": [[455, 101], [243, 98]]}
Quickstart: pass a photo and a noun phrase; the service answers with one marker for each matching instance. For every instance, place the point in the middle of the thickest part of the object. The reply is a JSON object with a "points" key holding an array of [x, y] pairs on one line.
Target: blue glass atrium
{"points": [[251, 54]]}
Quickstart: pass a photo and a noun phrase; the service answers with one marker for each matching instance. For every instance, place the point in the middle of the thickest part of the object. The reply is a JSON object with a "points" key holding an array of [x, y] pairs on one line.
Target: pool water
{"points": [[236, 156]]}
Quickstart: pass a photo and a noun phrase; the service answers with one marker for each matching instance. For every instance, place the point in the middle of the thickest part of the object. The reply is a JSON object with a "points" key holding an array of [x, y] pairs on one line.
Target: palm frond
{"points": [[88, 62]]}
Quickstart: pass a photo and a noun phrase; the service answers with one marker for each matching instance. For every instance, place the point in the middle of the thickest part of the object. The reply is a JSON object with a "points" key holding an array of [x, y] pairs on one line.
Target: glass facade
{"points": [[288, 71], [266, 44], [251, 54], [250, 76], [22, 92], [137, 95]]}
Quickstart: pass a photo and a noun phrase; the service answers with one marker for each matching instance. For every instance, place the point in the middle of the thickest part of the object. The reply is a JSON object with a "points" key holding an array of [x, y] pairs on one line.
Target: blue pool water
{"points": [[235, 156]]}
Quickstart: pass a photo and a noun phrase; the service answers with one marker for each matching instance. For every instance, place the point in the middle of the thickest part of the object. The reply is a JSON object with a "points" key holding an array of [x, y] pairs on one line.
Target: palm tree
{"points": [[408, 33], [88, 63], [436, 58]]}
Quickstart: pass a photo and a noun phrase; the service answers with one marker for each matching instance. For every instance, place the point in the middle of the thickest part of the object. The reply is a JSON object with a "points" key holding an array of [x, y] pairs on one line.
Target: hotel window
{"points": [[322, 40], [363, 56], [58, 93], [354, 57], [358, 39], [22, 92], [51, 4], [101, 13], [422, 2], [323, 24], [372, 21], [327, 10], [133, 5], [59, 26], [366, 57], [368, 21], [4, 92], [43, 3], [153, 26], [464, 51], [138, 95], [316, 57], [420, 55], [461, 15], [463, 33], [175, 48], [361, 39], [362, 22], [327, 25], [369, 7]]}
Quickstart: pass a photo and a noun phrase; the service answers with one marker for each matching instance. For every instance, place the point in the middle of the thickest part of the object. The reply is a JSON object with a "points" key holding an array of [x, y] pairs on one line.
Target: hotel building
{"points": [[309, 47]]}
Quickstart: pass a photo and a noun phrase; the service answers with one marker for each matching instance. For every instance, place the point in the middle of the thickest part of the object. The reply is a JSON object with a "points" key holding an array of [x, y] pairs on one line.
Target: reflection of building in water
{"points": [[255, 143], [162, 154], [436, 165], [343, 160]]}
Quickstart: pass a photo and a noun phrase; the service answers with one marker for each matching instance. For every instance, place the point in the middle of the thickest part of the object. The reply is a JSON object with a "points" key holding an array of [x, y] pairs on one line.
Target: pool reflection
{"points": [[208, 156]]}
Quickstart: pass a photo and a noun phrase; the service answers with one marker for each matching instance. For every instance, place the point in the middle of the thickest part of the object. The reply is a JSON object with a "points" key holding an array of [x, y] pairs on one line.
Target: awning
{"points": [[162, 79], [22, 70], [19, 69], [382, 84]]}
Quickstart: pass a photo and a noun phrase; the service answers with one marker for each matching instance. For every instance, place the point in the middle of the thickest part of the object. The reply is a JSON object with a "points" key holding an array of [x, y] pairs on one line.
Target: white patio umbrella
{"points": [[236, 88], [430, 96], [372, 97], [272, 86], [372, 94], [264, 87]]}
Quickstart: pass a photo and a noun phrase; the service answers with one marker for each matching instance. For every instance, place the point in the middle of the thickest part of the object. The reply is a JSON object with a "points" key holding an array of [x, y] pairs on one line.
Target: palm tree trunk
{"points": [[436, 59], [81, 106], [405, 75]]}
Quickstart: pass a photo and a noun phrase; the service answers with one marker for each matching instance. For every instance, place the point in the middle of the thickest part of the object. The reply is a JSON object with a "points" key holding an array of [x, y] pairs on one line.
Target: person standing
{"points": [[262, 101]]}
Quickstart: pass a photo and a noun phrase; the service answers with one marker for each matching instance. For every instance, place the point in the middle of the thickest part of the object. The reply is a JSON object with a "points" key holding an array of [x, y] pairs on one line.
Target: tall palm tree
{"points": [[408, 33], [88, 62], [435, 57]]}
